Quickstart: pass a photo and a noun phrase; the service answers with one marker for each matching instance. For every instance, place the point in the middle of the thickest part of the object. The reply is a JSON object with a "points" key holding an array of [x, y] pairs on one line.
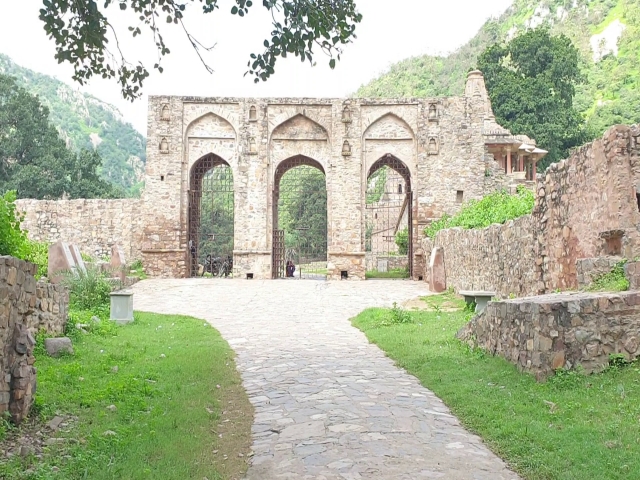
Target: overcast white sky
{"points": [[390, 31]]}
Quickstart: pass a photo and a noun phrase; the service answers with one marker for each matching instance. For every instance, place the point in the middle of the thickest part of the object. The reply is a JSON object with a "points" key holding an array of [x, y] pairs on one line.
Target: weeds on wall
{"points": [[497, 207], [613, 281]]}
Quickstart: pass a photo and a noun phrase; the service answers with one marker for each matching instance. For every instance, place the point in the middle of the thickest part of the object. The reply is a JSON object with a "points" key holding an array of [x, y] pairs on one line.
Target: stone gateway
{"points": [[437, 147]]}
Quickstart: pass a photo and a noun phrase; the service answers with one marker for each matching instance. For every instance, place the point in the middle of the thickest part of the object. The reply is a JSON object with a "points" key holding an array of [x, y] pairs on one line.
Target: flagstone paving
{"points": [[328, 405]]}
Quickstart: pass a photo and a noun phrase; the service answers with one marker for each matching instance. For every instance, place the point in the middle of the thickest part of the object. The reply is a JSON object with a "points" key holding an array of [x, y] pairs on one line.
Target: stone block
{"points": [[118, 260], [437, 272], [60, 260], [57, 346]]}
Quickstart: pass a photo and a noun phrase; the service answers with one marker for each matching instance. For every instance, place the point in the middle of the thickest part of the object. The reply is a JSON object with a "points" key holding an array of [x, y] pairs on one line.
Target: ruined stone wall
{"points": [[499, 258], [26, 306], [93, 225], [586, 207], [544, 333]]}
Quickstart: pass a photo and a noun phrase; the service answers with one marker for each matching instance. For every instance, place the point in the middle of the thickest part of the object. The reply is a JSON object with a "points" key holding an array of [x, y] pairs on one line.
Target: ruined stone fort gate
{"points": [[437, 145]]}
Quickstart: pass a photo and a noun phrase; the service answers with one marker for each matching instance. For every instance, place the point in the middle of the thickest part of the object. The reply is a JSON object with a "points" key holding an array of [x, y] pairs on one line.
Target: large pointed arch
{"points": [[389, 126], [300, 219], [388, 219], [211, 217]]}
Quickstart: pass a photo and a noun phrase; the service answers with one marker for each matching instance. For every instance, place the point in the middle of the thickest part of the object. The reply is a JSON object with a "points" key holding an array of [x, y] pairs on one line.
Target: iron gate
{"points": [[389, 220], [300, 220], [211, 218]]}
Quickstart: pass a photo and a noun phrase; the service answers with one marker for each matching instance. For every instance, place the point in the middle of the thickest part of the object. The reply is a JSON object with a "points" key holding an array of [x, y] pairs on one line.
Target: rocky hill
{"points": [[607, 33], [86, 122]]}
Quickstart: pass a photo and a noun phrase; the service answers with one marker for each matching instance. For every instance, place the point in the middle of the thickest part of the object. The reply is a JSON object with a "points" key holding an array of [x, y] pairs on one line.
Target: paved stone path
{"points": [[328, 405]]}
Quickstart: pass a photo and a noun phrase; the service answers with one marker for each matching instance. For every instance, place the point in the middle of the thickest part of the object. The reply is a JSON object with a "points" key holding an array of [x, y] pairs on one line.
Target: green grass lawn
{"points": [[571, 427], [393, 273], [180, 409]]}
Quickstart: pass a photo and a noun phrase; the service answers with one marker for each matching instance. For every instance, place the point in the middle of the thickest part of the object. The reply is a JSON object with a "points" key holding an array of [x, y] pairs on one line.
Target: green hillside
{"points": [[86, 122], [607, 33]]}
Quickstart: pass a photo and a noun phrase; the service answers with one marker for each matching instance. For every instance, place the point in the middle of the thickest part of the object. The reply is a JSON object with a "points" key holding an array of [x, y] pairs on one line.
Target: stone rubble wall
{"points": [[544, 333], [26, 307], [586, 207], [93, 225]]}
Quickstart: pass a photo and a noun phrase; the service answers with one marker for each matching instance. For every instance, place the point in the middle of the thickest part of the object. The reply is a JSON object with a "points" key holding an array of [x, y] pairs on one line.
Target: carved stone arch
{"points": [[389, 126], [393, 162], [299, 127], [222, 127], [287, 164]]}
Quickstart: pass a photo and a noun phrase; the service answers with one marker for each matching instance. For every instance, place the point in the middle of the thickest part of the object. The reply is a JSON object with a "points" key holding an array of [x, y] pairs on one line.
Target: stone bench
{"points": [[481, 298]]}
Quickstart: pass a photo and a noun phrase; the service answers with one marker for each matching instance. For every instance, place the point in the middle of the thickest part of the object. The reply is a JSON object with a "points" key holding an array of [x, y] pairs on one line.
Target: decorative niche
{"points": [[164, 145], [433, 112], [346, 114], [253, 114], [433, 146], [346, 149], [165, 114], [253, 147]]}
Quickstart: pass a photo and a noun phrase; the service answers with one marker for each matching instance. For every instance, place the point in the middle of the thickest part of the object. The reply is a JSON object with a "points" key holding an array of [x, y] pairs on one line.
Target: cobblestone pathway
{"points": [[328, 404]]}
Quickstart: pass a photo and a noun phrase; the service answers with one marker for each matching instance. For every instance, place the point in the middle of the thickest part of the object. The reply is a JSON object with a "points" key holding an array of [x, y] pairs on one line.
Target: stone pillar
{"points": [[508, 160]]}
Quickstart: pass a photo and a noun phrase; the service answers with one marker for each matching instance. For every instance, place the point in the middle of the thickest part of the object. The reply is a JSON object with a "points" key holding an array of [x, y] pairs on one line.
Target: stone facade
{"points": [[93, 225], [26, 306], [586, 207], [544, 333], [440, 143]]}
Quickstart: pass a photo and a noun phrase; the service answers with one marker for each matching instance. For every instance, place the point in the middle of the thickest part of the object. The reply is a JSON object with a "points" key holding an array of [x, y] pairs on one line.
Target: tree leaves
{"points": [[531, 82], [80, 32], [34, 160]]}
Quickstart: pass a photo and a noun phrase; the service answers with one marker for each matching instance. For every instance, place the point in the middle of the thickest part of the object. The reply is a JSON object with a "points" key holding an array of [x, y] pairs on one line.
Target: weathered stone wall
{"points": [[499, 258], [541, 334], [26, 306], [93, 225], [586, 207]]}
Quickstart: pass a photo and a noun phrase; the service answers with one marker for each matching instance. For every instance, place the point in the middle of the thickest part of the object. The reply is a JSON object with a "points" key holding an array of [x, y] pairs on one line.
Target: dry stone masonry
{"points": [[543, 333], [26, 306], [442, 146]]}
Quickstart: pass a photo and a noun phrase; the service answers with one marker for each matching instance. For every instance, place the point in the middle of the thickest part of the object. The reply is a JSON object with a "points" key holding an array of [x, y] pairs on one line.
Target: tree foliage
{"points": [[34, 160], [531, 82], [13, 241], [81, 33], [497, 207]]}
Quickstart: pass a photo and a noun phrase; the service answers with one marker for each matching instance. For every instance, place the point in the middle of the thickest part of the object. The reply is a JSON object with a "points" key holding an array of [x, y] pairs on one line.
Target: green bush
{"points": [[613, 281], [13, 241], [87, 290], [38, 253], [497, 207], [402, 241]]}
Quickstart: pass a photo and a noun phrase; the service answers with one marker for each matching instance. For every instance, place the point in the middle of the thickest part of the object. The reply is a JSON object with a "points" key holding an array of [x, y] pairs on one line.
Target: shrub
{"points": [[613, 281], [38, 253], [87, 290], [402, 241], [497, 207], [13, 241]]}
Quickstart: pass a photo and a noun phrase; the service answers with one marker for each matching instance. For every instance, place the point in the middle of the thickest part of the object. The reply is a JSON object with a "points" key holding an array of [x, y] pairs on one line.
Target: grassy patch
{"points": [[157, 399], [572, 427], [393, 273]]}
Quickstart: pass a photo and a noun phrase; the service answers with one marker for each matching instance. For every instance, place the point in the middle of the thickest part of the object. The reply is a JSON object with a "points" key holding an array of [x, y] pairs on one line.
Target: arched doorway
{"points": [[211, 218], [300, 219], [389, 219]]}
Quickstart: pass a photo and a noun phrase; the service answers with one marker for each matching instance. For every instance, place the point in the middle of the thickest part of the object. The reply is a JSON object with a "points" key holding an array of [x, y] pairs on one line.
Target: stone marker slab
{"points": [[437, 275], [118, 259], [122, 306], [60, 260], [77, 257]]}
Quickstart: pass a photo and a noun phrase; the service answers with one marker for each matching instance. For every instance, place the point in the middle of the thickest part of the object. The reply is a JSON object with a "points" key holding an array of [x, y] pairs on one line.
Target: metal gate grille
{"points": [[278, 254], [211, 218], [300, 202], [388, 220]]}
